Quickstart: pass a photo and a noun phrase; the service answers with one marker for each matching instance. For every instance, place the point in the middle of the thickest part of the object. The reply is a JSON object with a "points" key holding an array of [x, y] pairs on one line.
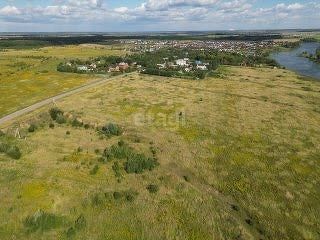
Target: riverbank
{"points": [[293, 60]]}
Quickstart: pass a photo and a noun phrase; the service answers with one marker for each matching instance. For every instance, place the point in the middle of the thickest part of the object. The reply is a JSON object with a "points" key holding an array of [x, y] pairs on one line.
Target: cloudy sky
{"points": [[156, 15]]}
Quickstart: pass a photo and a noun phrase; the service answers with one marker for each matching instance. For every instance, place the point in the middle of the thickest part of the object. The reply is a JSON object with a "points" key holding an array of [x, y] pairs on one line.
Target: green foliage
{"points": [[152, 188], [51, 125], [14, 152], [128, 195], [55, 112], [80, 223], [135, 162], [2, 133], [111, 129], [32, 128], [42, 221], [116, 169], [117, 195], [119, 151], [68, 133], [76, 123], [4, 147], [138, 163], [61, 119], [94, 170]]}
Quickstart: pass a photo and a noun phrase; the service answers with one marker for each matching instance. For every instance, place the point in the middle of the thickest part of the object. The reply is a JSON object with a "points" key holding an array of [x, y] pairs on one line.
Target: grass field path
{"points": [[47, 101]]}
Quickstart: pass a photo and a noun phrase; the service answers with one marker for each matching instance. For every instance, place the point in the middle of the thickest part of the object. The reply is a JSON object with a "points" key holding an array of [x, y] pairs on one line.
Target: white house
{"points": [[181, 62], [82, 68], [202, 67]]}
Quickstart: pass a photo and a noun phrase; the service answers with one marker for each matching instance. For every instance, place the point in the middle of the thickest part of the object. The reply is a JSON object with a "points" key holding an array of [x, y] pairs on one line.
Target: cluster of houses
{"points": [[184, 63], [240, 47], [94, 67]]}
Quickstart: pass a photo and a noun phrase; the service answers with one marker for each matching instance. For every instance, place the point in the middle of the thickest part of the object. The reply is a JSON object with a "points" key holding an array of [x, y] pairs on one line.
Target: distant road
{"points": [[57, 97]]}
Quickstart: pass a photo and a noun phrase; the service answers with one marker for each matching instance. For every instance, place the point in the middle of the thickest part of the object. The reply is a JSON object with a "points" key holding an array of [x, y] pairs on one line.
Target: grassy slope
{"points": [[27, 76], [250, 140]]}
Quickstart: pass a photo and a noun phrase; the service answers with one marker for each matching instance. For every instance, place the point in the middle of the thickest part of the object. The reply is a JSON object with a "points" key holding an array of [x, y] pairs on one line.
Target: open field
{"points": [[30, 75], [238, 159]]}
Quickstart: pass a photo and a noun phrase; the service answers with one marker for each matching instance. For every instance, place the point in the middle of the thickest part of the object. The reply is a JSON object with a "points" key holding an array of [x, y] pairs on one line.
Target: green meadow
{"points": [[236, 157], [29, 75]]}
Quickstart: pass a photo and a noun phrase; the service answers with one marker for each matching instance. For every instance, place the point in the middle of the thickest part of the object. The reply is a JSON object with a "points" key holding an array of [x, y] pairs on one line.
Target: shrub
{"points": [[111, 129], [96, 200], [68, 133], [152, 188], [120, 151], [60, 119], [14, 152], [4, 147], [51, 125], [186, 178], [116, 169], [70, 232], [94, 170], [80, 223], [76, 123], [86, 126], [42, 221], [55, 112], [117, 195], [130, 195], [32, 128], [138, 163], [2, 133]]}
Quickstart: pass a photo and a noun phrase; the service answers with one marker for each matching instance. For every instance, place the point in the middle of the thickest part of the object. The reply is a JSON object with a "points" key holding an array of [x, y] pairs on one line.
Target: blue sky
{"points": [[156, 15]]}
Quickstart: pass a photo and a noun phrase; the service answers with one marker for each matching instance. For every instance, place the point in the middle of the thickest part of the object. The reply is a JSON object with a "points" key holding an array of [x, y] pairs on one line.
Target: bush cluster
{"points": [[43, 221], [32, 128], [11, 151], [111, 129], [55, 112], [128, 195], [152, 188], [135, 162], [138, 163]]}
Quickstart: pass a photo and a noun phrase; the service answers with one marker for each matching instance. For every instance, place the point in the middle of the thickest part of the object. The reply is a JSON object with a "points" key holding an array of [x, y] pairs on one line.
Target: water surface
{"points": [[301, 65]]}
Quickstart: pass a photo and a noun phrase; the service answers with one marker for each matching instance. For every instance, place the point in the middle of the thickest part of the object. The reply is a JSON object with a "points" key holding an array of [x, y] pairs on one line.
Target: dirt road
{"points": [[55, 98]]}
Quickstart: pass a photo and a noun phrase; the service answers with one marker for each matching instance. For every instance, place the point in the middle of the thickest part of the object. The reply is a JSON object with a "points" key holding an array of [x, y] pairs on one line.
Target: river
{"points": [[301, 65]]}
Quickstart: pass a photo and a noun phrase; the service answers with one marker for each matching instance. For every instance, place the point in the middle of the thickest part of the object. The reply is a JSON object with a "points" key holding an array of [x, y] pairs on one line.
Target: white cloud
{"points": [[9, 10], [167, 14]]}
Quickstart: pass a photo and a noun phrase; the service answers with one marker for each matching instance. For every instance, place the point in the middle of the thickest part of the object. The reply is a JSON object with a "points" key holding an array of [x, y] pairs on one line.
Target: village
{"points": [[240, 47]]}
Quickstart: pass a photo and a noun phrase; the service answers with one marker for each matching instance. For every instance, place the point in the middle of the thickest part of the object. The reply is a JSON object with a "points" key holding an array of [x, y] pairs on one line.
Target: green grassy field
{"points": [[238, 159], [30, 75]]}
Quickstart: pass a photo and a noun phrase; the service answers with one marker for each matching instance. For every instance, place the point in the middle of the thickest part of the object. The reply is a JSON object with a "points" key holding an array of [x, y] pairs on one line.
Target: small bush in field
{"points": [[43, 221], [51, 125], [94, 170], [4, 147], [86, 126], [61, 119], [55, 112], [138, 163], [111, 129], [80, 223], [76, 123], [117, 195], [32, 128], [152, 188], [14, 152], [68, 133]]}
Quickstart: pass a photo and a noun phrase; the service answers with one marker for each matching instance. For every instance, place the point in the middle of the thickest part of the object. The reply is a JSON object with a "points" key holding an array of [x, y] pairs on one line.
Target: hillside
{"points": [[235, 157]]}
